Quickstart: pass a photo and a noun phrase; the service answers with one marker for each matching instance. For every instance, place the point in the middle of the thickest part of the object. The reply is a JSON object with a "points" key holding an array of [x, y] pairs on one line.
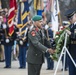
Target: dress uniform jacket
{"points": [[24, 41], [71, 16], [22, 54], [72, 50], [36, 49], [11, 38], [72, 45], [8, 47]]}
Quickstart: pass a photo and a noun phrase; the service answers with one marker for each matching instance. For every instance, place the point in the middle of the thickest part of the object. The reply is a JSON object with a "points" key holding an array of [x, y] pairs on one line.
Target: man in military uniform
{"points": [[71, 16], [36, 50], [22, 43], [8, 42]]}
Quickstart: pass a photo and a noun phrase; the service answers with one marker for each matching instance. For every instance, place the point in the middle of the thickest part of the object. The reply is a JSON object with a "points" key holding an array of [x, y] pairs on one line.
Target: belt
{"points": [[73, 42]]}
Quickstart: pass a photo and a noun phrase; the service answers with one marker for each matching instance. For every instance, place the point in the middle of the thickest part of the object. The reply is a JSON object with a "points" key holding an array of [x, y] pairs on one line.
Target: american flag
{"points": [[11, 15]]}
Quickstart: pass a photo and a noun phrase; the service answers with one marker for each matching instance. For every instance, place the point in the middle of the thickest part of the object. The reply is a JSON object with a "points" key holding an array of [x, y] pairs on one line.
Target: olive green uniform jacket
{"points": [[36, 50]]}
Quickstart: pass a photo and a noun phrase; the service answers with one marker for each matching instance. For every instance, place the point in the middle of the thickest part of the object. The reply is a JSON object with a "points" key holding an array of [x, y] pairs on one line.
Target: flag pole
{"points": [[59, 14], [60, 20]]}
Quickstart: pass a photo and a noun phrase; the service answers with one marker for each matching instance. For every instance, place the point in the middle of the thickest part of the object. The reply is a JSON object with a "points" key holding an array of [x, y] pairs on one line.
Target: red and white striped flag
{"points": [[11, 15]]}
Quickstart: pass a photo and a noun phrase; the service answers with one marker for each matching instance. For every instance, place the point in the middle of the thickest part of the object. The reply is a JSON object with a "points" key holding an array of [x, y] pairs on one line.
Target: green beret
{"points": [[37, 18]]}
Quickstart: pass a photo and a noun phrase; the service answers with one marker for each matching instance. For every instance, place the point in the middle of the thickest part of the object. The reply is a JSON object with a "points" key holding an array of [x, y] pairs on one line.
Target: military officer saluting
{"points": [[36, 49], [71, 16]]}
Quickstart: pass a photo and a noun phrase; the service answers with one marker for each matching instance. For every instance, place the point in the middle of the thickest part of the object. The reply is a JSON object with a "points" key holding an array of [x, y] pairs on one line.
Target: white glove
{"points": [[46, 27], [68, 32]]}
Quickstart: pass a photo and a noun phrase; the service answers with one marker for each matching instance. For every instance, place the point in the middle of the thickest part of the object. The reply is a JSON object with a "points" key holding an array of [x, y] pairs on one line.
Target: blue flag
{"points": [[23, 15]]}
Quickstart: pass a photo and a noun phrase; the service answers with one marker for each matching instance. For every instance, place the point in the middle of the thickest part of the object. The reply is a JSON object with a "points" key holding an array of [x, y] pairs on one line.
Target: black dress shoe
{"points": [[7, 67], [2, 60], [21, 67], [64, 69], [51, 68], [48, 69]]}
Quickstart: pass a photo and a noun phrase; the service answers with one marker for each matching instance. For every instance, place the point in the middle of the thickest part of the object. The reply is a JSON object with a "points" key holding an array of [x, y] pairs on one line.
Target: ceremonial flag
{"points": [[54, 15], [19, 24], [23, 15], [38, 6], [11, 15], [48, 5]]}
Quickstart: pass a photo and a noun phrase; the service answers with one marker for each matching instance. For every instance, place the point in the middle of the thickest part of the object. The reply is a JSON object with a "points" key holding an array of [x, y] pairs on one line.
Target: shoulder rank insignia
{"points": [[33, 33]]}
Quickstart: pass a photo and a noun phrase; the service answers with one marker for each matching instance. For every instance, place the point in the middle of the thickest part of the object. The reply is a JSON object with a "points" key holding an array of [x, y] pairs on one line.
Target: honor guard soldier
{"points": [[22, 43], [36, 49], [8, 42], [71, 16]]}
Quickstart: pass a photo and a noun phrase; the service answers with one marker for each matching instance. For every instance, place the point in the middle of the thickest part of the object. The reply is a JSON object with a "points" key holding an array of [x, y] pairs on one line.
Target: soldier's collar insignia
{"points": [[33, 33], [37, 29]]}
